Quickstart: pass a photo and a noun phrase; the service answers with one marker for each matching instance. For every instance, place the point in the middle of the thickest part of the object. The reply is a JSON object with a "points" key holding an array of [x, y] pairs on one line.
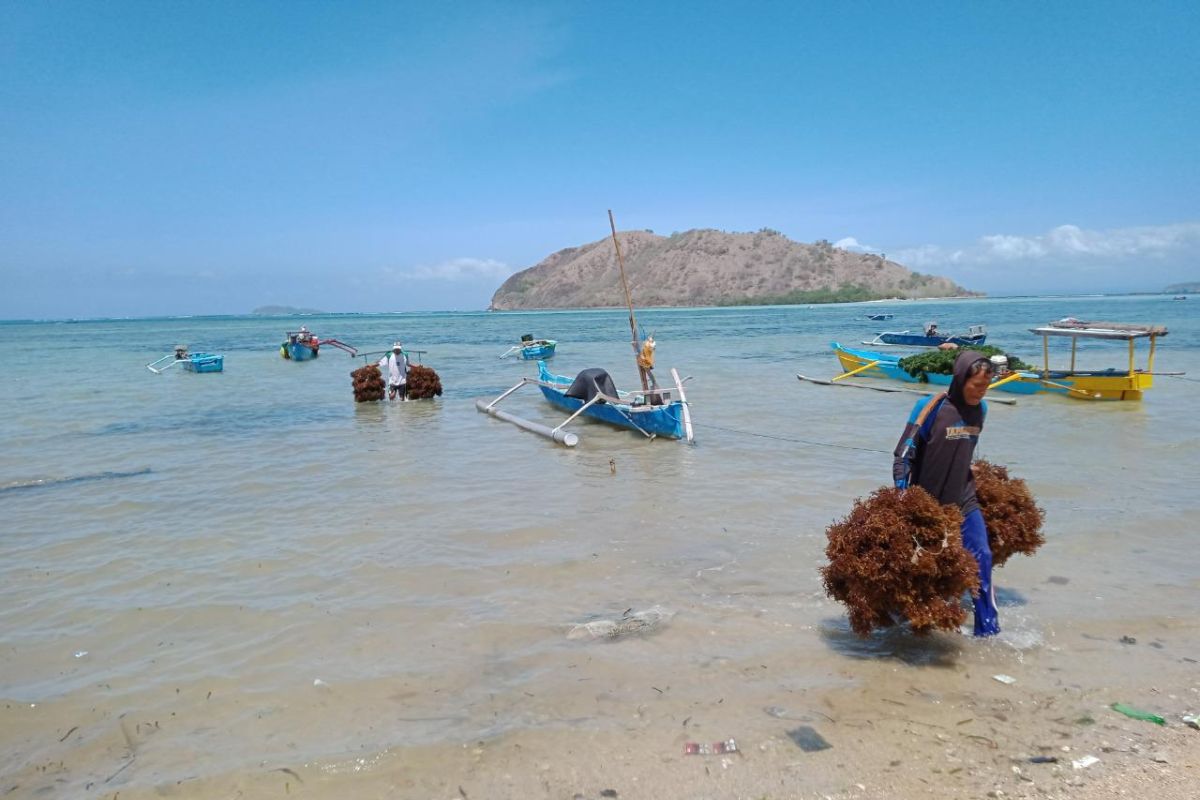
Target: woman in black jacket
{"points": [[935, 453]]}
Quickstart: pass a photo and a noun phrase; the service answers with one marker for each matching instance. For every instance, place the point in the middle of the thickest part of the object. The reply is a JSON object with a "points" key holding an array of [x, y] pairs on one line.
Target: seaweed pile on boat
{"points": [[368, 384], [423, 383], [941, 362], [1014, 521], [898, 556]]}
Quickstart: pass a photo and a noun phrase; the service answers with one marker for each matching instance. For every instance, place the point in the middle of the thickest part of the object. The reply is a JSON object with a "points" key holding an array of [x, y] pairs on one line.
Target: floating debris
{"points": [[629, 624], [808, 740]]}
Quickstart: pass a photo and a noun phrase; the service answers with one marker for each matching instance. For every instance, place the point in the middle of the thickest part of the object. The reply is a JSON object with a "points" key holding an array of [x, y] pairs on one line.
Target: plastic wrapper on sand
{"points": [[423, 383], [1014, 521], [898, 556]]}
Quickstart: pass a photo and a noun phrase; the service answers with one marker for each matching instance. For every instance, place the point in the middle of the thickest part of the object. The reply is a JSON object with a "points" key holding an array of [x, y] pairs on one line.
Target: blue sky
{"points": [[191, 158]]}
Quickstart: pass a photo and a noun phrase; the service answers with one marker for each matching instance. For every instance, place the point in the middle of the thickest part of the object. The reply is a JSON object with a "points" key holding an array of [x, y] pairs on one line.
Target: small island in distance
{"points": [[714, 268], [283, 311], [1191, 287]]}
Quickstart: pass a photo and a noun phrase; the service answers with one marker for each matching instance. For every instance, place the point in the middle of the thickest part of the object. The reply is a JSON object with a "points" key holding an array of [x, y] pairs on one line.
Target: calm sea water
{"points": [[268, 573]]}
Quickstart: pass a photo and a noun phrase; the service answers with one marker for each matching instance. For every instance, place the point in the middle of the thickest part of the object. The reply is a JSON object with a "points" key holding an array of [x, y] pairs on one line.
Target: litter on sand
{"points": [[630, 623], [1006, 679], [1085, 762], [1137, 713], [808, 740]]}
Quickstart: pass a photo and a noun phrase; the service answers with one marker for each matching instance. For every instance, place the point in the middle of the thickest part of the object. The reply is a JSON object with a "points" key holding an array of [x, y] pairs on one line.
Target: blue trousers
{"points": [[975, 539]]}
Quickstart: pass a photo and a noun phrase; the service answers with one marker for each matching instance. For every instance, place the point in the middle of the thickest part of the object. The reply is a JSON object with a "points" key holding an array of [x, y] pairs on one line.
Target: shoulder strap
{"points": [[931, 406]]}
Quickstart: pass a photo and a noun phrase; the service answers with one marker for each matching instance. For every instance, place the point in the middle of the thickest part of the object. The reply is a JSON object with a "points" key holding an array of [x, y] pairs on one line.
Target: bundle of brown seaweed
{"points": [[423, 383], [1014, 521], [899, 556], [368, 384]]}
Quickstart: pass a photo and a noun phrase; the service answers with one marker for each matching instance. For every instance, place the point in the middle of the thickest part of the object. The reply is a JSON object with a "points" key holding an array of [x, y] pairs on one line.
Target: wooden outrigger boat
{"points": [[880, 317], [653, 411], [870, 364], [1109, 384], [303, 345], [930, 337], [189, 362], [531, 349]]}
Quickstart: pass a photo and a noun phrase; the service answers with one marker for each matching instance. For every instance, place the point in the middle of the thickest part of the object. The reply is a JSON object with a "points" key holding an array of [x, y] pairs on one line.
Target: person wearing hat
{"points": [[395, 365]]}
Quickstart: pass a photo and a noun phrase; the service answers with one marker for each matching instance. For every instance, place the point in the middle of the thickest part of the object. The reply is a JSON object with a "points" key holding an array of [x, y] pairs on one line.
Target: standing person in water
{"points": [[935, 453], [395, 367]]}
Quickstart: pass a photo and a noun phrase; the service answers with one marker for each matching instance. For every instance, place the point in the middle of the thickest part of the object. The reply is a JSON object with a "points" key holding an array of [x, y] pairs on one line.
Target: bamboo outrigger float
{"points": [[653, 411]]}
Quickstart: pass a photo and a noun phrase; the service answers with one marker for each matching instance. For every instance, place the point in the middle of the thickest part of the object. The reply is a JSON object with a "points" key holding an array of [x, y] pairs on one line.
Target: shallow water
{"points": [[257, 570]]}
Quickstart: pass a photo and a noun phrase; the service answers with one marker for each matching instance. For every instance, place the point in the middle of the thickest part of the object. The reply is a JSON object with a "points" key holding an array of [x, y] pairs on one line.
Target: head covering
{"points": [[971, 414], [397, 346]]}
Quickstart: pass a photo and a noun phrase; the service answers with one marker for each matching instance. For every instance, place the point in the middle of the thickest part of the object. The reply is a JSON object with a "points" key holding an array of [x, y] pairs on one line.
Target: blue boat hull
{"points": [[299, 352], [921, 340], [537, 353], [665, 420], [203, 362], [888, 366]]}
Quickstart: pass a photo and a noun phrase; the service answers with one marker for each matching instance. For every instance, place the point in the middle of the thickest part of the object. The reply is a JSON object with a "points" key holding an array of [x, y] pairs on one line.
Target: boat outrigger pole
{"points": [[637, 346]]}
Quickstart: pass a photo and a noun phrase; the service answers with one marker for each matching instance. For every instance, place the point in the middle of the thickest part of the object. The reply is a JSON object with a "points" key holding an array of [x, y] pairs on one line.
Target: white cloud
{"points": [[1064, 245], [854, 246], [456, 270]]}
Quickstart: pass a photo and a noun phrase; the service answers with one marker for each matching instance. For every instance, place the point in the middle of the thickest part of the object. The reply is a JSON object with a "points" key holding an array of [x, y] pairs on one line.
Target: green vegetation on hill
{"points": [[846, 293]]}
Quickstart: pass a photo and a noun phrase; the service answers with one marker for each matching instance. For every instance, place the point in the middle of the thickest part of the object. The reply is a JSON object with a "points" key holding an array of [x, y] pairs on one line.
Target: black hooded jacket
{"points": [[938, 444]]}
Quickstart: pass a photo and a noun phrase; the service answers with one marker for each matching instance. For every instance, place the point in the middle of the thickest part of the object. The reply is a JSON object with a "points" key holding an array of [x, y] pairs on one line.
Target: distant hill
{"points": [[1192, 287], [283, 311], [710, 267]]}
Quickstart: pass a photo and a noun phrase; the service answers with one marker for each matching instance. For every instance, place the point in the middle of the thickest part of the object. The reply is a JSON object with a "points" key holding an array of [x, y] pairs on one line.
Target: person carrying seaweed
{"points": [[395, 366], [935, 453]]}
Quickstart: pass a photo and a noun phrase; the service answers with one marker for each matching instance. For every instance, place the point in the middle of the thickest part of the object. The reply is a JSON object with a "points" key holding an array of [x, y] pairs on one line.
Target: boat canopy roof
{"points": [[1099, 330]]}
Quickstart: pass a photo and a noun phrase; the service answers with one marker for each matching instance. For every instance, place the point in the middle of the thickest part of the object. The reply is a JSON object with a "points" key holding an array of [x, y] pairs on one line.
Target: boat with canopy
{"points": [[652, 411]]}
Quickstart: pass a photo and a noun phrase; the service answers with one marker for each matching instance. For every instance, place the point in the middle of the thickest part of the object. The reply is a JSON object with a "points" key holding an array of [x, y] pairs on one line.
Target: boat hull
{"points": [[1096, 385], [921, 340], [203, 362], [665, 420], [538, 352], [888, 366], [295, 351]]}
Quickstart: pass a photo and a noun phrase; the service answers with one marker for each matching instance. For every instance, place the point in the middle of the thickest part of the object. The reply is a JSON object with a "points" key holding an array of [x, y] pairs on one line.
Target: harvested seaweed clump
{"points": [[423, 383], [899, 556], [1014, 521], [368, 384]]}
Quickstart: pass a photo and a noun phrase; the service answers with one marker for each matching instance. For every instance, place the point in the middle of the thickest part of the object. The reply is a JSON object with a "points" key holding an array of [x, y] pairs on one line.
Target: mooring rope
{"points": [[791, 439]]}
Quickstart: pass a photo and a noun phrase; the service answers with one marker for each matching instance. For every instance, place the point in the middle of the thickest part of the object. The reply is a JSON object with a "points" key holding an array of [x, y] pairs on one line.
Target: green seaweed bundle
{"points": [[941, 362]]}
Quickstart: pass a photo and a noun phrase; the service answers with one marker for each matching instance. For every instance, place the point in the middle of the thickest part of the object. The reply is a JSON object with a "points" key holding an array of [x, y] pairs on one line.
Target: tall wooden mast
{"points": [[628, 301]]}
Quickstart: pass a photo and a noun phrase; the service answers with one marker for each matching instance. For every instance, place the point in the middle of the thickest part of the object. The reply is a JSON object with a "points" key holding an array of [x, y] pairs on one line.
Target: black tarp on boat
{"points": [[590, 381]]}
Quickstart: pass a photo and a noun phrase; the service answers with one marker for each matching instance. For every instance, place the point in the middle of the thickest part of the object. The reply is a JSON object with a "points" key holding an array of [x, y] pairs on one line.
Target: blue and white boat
{"points": [[652, 411], [531, 349], [304, 345], [191, 362], [930, 337]]}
